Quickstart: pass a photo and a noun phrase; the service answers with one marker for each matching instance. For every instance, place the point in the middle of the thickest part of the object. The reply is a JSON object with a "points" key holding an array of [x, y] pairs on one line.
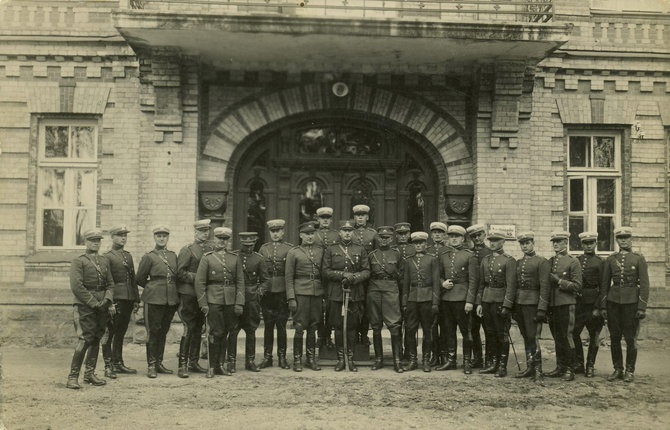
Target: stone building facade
{"points": [[542, 116]]}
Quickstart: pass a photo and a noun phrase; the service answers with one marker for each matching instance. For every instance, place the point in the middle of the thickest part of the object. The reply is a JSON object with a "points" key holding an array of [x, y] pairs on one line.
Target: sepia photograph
{"points": [[334, 214]]}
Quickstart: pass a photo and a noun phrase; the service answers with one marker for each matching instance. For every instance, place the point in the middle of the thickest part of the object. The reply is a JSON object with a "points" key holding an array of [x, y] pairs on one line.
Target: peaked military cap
{"points": [[324, 212], [560, 235], [161, 229], [476, 228], [118, 229], [526, 235], [456, 229], [385, 230], [361, 209], [92, 234], [276, 224], [203, 224], [347, 225], [223, 232], [402, 227], [438, 226], [307, 227], [248, 236], [623, 231], [418, 236], [588, 235], [496, 235]]}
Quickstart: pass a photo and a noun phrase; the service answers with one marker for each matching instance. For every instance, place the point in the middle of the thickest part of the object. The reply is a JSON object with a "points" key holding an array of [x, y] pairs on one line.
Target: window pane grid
{"points": [[67, 183]]}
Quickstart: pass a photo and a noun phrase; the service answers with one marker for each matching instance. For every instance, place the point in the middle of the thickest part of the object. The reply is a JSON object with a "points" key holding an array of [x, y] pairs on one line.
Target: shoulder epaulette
{"points": [[209, 252], [257, 253], [288, 244]]}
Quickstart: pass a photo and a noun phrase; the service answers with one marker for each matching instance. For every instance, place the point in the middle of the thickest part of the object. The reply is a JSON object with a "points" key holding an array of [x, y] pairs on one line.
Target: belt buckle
{"points": [[311, 276]]}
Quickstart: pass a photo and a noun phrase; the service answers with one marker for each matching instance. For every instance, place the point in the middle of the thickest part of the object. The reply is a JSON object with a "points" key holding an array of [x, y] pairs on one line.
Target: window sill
{"points": [[55, 256]]}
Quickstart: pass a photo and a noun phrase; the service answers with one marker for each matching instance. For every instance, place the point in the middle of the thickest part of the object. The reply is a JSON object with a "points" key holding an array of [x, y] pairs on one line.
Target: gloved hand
{"points": [[595, 313], [504, 312], [448, 284], [435, 309], [540, 316], [468, 307], [640, 315], [205, 310], [292, 305], [239, 309], [603, 313], [480, 311], [349, 277], [112, 310], [404, 312]]}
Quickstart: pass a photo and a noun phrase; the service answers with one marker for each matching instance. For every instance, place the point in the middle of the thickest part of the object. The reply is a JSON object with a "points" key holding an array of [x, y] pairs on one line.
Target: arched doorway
{"points": [[290, 169]]}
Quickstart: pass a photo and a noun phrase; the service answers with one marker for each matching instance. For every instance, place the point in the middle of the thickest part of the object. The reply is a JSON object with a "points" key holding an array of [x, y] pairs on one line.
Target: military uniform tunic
{"points": [[624, 293], [273, 302], [421, 292], [157, 274], [365, 237], [592, 268], [91, 283], [497, 280], [274, 257], [324, 237], [255, 275], [192, 318], [383, 300], [304, 285], [562, 302], [532, 294]]}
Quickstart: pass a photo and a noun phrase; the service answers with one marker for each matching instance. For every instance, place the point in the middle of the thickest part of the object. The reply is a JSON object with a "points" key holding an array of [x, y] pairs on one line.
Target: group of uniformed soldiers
{"points": [[355, 278]]}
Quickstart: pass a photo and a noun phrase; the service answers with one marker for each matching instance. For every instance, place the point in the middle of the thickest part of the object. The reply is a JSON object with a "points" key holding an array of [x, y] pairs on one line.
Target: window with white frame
{"points": [[67, 182], [594, 187]]}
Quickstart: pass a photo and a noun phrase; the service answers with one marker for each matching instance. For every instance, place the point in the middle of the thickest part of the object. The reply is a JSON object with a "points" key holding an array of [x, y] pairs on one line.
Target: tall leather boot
{"points": [[160, 351], [151, 357], [569, 374], [477, 357], [591, 355], [502, 363], [223, 360], [396, 348], [297, 352], [184, 344], [91, 360], [268, 343], [538, 376], [194, 354], [449, 362], [559, 371], [312, 358], [530, 363], [109, 368], [339, 349], [75, 367], [213, 359], [579, 354], [492, 366], [232, 351], [467, 366], [435, 346], [412, 363], [250, 352], [379, 349], [426, 363], [282, 344], [351, 338]]}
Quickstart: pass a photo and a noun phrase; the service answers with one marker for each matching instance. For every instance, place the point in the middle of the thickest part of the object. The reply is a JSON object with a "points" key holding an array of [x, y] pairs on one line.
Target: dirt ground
{"points": [[34, 397]]}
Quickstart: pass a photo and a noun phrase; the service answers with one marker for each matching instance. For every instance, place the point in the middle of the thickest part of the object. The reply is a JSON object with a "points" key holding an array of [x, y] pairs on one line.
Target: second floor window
{"points": [[594, 187], [67, 182]]}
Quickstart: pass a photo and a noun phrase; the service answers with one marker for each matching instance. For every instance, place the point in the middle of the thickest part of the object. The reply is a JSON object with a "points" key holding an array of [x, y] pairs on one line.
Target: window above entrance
{"points": [[338, 140]]}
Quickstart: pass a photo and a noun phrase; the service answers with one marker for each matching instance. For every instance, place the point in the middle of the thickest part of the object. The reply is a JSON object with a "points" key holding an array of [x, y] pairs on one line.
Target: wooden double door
{"points": [[291, 172]]}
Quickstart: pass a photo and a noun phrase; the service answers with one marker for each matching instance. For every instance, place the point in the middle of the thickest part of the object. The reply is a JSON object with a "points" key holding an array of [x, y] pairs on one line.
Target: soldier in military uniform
{"points": [[406, 249], [255, 275], [157, 274], [192, 318], [219, 288], [92, 284], [586, 312], [273, 301], [495, 297], [438, 233], [458, 272], [126, 300], [324, 237], [532, 302], [366, 237], [420, 298], [566, 284], [383, 300], [623, 301], [477, 234], [346, 267], [304, 291]]}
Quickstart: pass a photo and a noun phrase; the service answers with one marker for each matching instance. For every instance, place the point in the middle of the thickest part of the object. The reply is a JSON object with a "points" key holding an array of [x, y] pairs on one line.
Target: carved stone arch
{"points": [[413, 114]]}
